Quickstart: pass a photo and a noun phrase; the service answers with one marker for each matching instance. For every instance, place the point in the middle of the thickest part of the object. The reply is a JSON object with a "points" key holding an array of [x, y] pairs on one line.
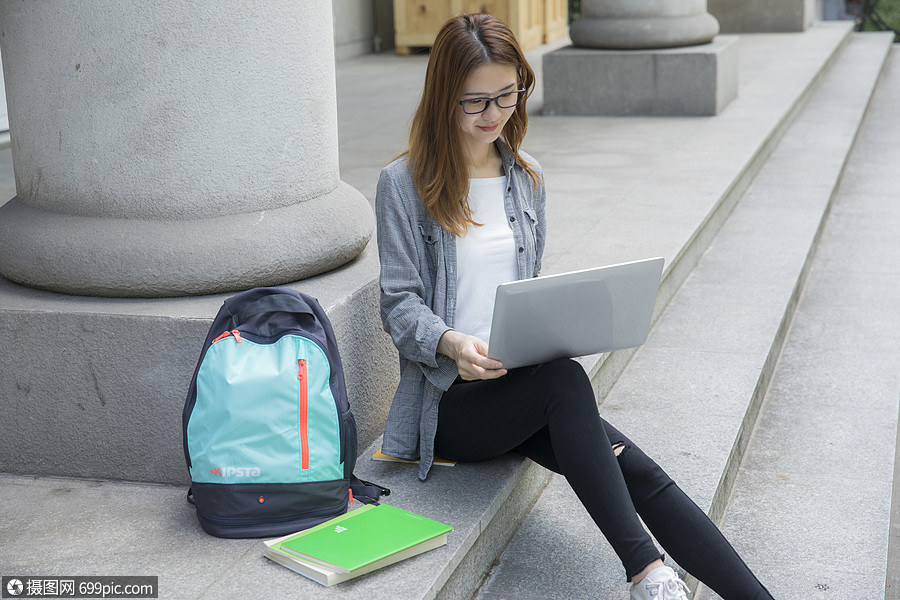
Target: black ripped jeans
{"points": [[548, 413]]}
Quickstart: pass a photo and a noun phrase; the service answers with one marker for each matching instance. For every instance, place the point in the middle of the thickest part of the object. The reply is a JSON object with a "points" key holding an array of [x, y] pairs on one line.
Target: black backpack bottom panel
{"points": [[244, 510]]}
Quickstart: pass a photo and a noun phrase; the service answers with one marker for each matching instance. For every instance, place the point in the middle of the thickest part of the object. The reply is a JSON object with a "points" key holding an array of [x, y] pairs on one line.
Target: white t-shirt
{"points": [[485, 257]]}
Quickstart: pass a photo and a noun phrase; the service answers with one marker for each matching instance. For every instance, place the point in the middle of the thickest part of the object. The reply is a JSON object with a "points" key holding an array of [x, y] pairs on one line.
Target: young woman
{"points": [[459, 213]]}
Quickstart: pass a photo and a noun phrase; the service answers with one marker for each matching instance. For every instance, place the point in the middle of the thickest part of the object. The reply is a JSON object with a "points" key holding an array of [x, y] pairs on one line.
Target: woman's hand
{"points": [[470, 354]]}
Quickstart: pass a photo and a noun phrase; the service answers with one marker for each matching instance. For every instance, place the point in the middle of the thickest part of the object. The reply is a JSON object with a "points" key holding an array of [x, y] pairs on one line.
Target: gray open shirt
{"points": [[418, 293]]}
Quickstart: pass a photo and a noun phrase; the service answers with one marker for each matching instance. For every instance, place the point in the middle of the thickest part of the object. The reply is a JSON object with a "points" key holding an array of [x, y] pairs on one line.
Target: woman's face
{"points": [[488, 81]]}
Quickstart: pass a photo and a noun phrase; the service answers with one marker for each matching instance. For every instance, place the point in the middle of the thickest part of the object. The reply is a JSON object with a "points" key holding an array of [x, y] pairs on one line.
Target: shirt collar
{"points": [[506, 155]]}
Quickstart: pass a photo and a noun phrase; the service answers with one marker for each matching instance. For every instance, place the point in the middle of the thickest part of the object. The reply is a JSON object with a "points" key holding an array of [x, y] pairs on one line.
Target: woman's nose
{"points": [[492, 109]]}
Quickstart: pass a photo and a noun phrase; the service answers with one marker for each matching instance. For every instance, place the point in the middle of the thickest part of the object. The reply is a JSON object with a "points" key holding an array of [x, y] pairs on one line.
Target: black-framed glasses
{"points": [[474, 106]]}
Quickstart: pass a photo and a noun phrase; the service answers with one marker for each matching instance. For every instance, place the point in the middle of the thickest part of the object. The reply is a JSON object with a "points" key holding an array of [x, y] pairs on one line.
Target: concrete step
{"points": [[691, 395], [826, 437], [622, 189]]}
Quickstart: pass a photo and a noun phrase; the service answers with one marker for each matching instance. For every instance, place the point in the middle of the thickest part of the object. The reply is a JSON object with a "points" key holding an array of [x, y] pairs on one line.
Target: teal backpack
{"points": [[269, 437]]}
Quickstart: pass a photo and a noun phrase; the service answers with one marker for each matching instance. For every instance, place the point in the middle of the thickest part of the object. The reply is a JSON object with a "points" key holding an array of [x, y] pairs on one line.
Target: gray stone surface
{"points": [[354, 28], [69, 526], [758, 16], [565, 554], [697, 80], [827, 433]]}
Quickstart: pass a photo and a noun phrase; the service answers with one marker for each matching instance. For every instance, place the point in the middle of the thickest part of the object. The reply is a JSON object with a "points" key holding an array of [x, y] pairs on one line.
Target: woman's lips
{"points": [[488, 128]]}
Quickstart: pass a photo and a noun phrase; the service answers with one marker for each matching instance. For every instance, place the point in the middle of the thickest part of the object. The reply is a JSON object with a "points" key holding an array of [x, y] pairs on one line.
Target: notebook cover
{"points": [[364, 537]]}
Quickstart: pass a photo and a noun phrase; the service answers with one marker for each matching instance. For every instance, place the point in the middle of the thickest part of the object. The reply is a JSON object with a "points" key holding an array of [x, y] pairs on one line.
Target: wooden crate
{"points": [[556, 19], [416, 22]]}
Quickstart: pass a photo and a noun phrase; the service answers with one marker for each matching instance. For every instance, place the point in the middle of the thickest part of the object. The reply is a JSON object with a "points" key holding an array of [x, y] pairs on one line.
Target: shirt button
{"points": [[521, 249], [512, 219]]}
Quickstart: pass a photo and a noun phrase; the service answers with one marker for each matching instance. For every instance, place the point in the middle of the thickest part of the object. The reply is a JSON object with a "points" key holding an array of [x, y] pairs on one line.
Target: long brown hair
{"points": [[436, 152]]}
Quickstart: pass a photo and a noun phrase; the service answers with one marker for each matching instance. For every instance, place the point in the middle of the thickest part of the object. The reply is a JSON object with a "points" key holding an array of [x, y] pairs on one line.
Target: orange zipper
{"points": [[235, 333], [304, 412]]}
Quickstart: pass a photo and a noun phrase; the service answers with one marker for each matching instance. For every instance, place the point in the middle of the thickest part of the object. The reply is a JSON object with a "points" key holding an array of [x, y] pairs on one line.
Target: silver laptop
{"points": [[574, 314]]}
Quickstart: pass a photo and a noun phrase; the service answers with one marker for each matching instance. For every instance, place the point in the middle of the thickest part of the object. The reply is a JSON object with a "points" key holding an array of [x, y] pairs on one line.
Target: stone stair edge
{"points": [[726, 483]]}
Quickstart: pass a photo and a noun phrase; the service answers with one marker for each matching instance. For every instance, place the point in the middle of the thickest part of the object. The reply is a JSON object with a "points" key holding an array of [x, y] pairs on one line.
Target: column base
{"points": [[691, 81], [142, 258], [643, 33]]}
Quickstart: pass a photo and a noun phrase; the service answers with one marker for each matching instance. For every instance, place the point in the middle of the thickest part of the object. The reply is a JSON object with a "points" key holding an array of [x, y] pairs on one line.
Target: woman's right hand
{"points": [[470, 354]]}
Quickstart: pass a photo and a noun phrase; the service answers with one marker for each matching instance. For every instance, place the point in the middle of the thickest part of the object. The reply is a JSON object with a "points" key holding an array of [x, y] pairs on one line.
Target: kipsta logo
{"points": [[236, 471]]}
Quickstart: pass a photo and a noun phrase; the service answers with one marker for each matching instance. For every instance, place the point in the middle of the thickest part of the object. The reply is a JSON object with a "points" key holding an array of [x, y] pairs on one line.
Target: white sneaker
{"points": [[660, 584]]}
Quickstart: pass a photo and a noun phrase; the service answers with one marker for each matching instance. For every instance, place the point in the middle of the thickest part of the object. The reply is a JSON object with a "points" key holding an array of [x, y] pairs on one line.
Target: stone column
{"points": [[173, 147], [642, 58]]}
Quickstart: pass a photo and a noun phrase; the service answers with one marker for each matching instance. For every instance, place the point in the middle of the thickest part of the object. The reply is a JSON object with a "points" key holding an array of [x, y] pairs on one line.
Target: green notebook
{"points": [[363, 537]]}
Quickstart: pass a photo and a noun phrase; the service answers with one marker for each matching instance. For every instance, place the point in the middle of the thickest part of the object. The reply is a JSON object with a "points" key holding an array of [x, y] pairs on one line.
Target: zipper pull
{"points": [[237, 336], [224, 335]]}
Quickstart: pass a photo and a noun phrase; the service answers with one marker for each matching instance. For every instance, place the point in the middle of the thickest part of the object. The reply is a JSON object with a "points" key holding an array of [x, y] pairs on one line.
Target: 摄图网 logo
{"points": [[14, 587]]}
